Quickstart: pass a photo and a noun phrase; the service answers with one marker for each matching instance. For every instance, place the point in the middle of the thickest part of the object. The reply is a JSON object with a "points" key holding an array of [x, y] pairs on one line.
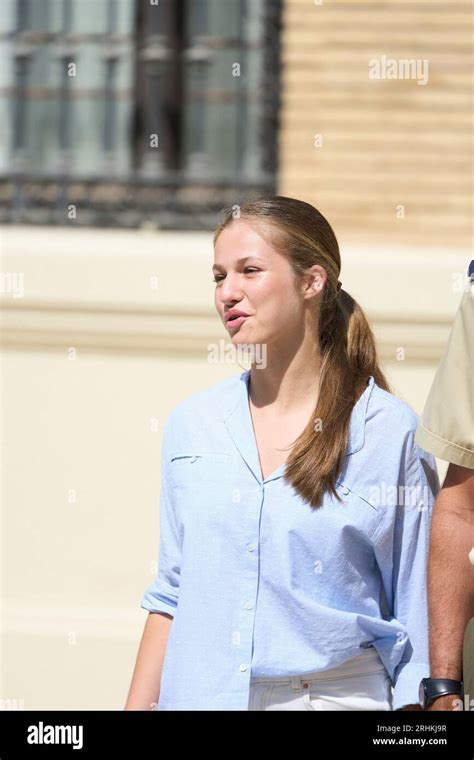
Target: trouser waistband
{"points": [[365, 663]]}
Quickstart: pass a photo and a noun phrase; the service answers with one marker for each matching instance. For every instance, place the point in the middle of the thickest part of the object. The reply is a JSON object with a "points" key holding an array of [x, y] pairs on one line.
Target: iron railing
{"points": [[135, 116]]}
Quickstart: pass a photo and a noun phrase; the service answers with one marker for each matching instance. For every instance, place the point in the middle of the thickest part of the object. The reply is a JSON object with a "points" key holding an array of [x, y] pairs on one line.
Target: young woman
{"points": [[295, 504]]}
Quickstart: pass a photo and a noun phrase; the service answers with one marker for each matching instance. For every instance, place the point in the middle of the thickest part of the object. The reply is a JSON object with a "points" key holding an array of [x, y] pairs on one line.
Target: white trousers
{"points": [[361, 683]]}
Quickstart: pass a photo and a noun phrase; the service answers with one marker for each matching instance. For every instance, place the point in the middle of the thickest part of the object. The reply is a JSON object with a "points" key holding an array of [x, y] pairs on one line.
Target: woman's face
{"points": [[252, 277]]}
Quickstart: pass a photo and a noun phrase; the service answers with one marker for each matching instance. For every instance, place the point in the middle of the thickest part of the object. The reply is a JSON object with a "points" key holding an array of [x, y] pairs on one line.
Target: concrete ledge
{"points": [[132, 290]]}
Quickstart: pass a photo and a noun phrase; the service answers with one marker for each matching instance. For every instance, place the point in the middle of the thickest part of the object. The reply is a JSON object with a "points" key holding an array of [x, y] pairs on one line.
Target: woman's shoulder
{"points": [[206, 406], [389, 454], [385, 408]]}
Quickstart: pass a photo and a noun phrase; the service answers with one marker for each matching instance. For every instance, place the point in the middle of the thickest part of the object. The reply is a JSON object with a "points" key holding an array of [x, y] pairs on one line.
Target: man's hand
{"points": [[448, 702]]}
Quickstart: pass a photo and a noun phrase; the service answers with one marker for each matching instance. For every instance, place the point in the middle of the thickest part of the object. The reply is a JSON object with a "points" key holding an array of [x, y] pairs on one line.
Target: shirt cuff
{"points": [[444, 449], [407, 684], [156, 602]]}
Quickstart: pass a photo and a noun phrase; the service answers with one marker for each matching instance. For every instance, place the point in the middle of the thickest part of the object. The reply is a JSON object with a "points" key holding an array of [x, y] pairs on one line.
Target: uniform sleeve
{"points": [[402, 546], [447, 425], [162, 594]]}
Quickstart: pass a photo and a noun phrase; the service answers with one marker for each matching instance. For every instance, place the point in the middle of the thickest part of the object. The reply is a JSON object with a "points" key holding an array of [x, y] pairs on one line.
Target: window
{"points": [[133, 112]]}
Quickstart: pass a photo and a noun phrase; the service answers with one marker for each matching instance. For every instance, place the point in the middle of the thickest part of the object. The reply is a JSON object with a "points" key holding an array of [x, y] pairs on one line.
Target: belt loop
{"points": [[295, 683]]}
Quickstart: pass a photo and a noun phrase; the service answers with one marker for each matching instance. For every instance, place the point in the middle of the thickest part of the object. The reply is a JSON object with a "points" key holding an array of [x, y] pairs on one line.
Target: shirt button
{"points": [[345, 491], [250, 547], [243, 667], [248, 605]]}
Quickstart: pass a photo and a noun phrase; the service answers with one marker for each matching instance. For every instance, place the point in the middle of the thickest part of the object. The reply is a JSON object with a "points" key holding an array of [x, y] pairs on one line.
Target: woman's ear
{"points": [[314, 280]]}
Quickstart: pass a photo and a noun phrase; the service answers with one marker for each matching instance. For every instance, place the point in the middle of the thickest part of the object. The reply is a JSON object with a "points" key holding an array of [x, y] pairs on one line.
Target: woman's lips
{"points": [[234, 323]]}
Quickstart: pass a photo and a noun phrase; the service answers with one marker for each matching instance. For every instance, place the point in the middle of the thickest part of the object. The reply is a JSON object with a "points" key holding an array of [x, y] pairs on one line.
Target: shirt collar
{"points": [[238, 421], [358, 418]]}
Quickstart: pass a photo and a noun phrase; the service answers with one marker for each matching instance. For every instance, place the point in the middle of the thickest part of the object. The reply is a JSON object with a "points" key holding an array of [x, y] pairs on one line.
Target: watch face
{"points": [[421, 692]]}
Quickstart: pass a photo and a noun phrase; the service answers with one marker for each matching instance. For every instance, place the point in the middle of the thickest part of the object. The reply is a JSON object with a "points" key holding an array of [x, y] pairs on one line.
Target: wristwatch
{"points": [[432, 688]]}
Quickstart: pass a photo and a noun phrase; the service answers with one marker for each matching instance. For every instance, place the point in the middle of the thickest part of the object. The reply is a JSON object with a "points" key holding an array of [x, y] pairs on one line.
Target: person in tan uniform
{"points": [[446, 429]]}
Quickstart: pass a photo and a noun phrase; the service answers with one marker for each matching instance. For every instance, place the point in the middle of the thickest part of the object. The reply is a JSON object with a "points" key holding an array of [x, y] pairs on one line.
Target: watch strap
{"points": [[440, 687]]}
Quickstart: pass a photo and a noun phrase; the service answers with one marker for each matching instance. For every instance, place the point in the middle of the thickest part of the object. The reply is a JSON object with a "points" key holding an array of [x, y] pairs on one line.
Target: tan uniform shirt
{"points": [[446, 428]]}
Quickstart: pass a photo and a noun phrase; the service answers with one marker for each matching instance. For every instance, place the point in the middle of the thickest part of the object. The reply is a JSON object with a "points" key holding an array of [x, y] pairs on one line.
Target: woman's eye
{"points": [[217, 277]]}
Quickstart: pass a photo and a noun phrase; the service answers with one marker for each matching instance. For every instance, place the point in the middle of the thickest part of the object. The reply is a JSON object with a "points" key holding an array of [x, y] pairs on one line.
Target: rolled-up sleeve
{"points": [[402, 547], [162, 594], [446, 428]]}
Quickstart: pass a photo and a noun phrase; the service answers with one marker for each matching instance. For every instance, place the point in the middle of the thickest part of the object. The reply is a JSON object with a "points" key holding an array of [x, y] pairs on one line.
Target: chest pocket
{"points": [[355, 510], [189, 468]]}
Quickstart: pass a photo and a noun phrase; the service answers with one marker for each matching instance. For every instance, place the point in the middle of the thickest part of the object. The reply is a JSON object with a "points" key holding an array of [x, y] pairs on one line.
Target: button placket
{"points": [[250, 573]]}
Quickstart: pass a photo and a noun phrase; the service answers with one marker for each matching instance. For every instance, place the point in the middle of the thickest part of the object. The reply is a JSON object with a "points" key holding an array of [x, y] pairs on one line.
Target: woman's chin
{"points": [[247, 337], [238, 338], [241, 336]]}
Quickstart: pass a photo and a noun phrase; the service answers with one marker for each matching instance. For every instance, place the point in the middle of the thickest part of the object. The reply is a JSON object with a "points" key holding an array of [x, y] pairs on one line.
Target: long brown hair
{"points": [[300, 232]]}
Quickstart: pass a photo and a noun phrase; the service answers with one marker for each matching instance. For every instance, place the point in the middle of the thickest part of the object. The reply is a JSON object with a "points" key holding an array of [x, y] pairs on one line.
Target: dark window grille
{"points": [[129, 112]]}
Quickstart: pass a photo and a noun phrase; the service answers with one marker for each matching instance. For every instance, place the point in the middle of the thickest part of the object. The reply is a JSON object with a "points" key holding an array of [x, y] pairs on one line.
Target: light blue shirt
{"points": [[259, 583]]}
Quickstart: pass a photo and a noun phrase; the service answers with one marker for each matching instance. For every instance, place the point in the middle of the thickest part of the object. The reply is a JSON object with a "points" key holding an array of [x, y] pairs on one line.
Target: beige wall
{"points": [[384, 147], [94, 357]]}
